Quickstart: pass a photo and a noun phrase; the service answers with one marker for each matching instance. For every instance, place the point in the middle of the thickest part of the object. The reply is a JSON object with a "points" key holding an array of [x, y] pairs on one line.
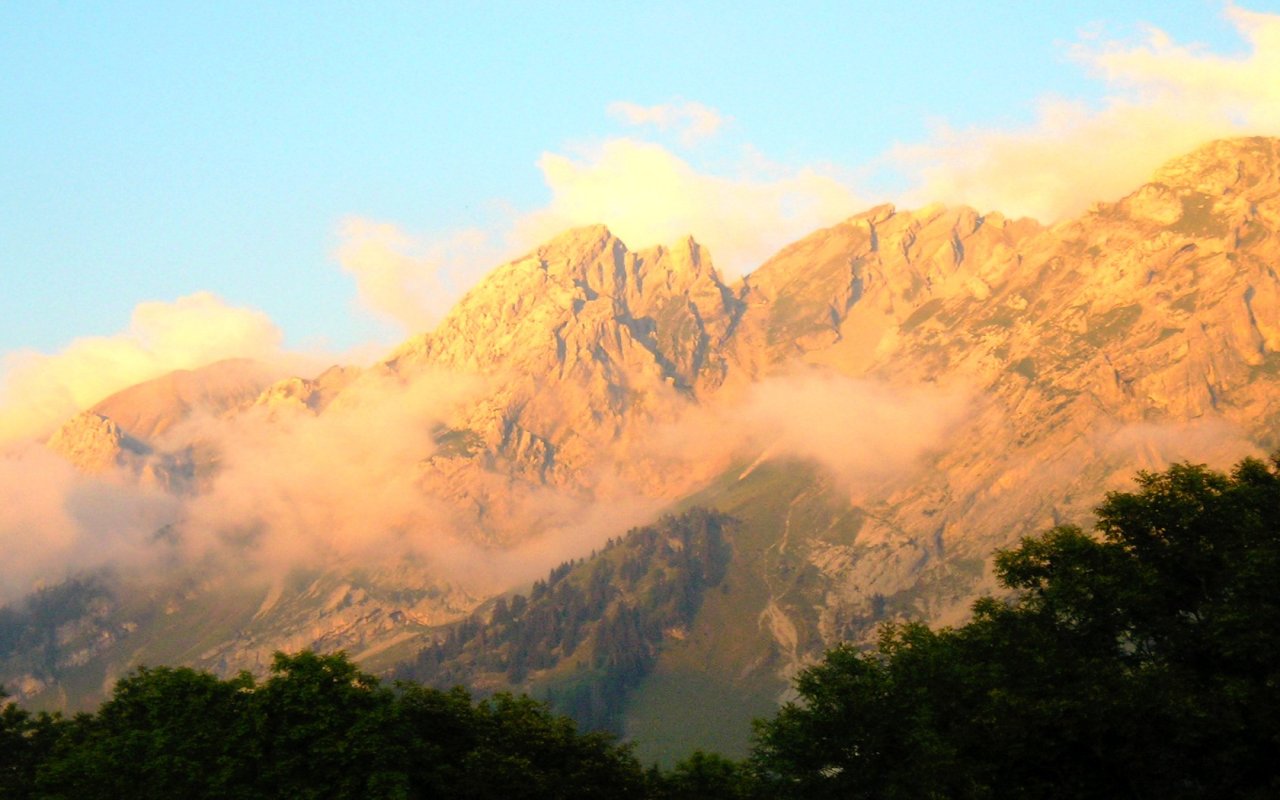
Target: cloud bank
{"points": [[283, 487], [56, 523], [1164, 99], [647, 195], [861, 432]]}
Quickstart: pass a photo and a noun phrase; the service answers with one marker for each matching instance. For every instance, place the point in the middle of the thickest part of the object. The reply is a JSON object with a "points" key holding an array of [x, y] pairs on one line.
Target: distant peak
{"points": [[577, 240], [876, 214]]}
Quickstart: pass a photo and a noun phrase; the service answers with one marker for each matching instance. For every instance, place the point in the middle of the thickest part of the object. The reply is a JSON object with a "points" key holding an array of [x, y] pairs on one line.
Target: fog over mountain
{"points": [[879, 405]]}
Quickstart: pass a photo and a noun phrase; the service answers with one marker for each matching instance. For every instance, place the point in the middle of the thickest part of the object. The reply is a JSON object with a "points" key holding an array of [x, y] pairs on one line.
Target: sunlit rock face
{"points": [[588, 376], [1142, 332], [584, 340]]}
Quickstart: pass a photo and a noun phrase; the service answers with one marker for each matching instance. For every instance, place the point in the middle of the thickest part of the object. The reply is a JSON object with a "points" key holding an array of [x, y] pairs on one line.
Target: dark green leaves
{"points": [[317, 728], [1144, 662]]}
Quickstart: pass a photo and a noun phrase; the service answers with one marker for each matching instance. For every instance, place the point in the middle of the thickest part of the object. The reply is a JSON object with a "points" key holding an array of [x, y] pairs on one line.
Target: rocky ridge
{"points": [[1144, 331]]}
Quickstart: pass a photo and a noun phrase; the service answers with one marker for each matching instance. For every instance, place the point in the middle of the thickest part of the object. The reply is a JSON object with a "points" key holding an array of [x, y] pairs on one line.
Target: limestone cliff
{"points": [[1143, 331], [588, 341]]}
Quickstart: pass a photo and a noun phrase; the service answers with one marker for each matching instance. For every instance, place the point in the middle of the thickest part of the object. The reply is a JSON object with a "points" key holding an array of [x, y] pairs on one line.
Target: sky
{"points": [[317, 181]]}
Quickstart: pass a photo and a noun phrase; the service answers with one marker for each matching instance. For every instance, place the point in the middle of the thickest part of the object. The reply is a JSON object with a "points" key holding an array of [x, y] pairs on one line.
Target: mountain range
{"points": [[842, 436]]}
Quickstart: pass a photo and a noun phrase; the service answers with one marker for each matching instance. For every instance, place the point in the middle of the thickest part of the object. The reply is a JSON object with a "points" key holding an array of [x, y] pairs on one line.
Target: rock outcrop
{"points": [[1144, 331]]}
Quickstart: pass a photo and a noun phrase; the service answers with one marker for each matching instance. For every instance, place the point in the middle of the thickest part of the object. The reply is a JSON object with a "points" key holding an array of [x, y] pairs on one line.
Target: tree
{"points": [[317, 728], [526, 751], [1141, 662], [26, 741], [704, 776], [325, 732], [163, 733]]}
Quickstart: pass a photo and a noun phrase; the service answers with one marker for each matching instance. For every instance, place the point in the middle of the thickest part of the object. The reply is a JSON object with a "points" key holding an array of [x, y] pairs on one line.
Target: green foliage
{"points": [[26, 742], [163, 733], [317, 728], [705, 776], [321, 724], [1143, 662]]}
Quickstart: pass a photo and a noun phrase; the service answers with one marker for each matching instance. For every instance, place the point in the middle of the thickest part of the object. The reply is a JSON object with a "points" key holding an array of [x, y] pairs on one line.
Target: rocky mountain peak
{"points": [[94, 443], [1225, 166], [128, 429], [577, 244], [585, 288], [1144, 331], [312, 394], [589, 337]]}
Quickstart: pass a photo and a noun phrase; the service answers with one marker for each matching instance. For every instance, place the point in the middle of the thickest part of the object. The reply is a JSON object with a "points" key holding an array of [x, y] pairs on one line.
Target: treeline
{"points": [[588, 633], [317, 728], [1143, 661]]}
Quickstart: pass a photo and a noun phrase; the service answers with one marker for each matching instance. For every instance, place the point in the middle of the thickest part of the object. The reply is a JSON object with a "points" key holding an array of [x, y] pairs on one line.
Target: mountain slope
{"points": [[1141, 333], [878, 406]]}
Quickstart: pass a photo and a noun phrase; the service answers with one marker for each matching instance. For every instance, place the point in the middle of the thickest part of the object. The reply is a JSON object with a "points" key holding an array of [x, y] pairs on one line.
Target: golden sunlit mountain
{"points": [[877, 407]]}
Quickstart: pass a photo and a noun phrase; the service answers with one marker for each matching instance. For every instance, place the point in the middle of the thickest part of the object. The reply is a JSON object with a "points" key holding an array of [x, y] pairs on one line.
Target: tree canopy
{"points": [[1143, 661], [318, 727]]}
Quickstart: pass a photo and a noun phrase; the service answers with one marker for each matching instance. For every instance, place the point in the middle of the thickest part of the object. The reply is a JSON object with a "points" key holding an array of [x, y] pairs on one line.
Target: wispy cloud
{"points": [[862, 432], [409, 281], [351, 488], [648, 195], [56, 523], [691, 121], [1164, 99]]}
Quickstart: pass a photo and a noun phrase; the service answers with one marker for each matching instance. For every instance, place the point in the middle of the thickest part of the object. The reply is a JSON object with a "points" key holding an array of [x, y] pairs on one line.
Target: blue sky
{"points": [[149, 152]]}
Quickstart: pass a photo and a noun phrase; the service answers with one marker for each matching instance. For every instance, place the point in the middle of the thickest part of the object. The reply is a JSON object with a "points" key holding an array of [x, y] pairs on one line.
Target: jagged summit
{"points": [[95, 443], [1143, 331], [583, 298]]}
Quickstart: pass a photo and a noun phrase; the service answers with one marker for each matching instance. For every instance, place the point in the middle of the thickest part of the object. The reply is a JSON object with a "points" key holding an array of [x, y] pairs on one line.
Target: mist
{"points": [[56, 523], [283, 487]]}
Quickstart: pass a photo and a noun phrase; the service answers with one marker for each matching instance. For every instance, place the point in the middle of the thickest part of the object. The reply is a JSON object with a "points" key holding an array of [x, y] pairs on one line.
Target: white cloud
{"points": [[647, 195], [408, 281], [56, 523], [1165, 99]]}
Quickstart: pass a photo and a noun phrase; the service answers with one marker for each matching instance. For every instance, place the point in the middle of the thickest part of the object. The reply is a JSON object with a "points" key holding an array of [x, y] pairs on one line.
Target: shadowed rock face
{"points": [[1144, 331]]}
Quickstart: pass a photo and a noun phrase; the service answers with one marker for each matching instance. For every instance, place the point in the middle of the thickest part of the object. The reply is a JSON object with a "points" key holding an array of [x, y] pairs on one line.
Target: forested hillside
{"points": [[589, 632]]}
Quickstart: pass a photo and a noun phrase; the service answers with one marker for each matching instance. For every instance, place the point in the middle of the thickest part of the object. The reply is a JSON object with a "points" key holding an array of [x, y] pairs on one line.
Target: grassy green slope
{"points": [[705, 689]]}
